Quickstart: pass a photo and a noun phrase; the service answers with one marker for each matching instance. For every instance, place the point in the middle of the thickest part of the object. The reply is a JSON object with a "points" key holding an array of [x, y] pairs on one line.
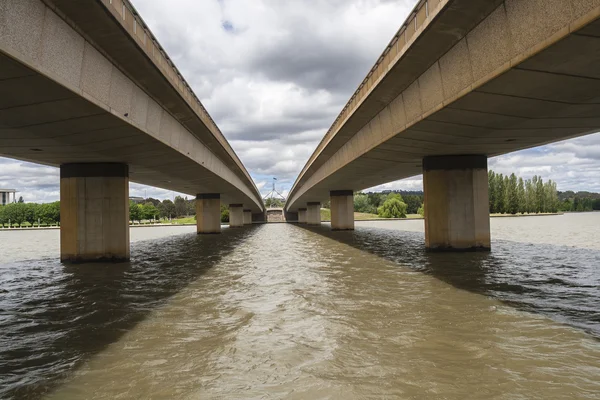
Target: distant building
{"points": [[5, 196], [137, 200]]}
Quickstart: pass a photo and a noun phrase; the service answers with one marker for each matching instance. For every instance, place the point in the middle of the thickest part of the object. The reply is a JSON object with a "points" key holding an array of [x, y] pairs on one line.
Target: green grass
{"points": [[181, 221], [326, 216], [363, 216]]}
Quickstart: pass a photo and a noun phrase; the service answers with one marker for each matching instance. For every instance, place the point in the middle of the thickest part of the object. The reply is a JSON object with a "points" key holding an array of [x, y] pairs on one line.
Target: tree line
{"points": [[511, 195], [375, 203], [18, 214], [153, 209]]}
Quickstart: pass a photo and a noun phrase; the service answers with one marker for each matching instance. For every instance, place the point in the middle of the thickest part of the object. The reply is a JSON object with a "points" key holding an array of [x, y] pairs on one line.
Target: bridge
{"points": [[85, 86], [461, 81]]}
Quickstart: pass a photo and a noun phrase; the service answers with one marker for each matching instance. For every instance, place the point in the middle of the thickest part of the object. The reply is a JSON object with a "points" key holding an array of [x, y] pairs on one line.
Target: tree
{"points": [[521, 200], [148, 211], [530, 195], [135, 212], [363, 205], [224, 213], [392, 208], [274, 203], [166, 209], [412, 203], [512, 203], [155, 202], [190, 207], [500, 196], [539, 194], [421, 210], [180, 207], [492, 191]]}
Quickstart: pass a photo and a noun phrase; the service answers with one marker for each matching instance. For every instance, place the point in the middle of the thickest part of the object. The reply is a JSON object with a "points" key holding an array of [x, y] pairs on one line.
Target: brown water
{"points": [[280, 311]]}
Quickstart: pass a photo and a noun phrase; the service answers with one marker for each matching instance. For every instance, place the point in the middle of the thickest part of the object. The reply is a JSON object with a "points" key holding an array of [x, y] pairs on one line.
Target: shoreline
{"points": [[29, 228]]}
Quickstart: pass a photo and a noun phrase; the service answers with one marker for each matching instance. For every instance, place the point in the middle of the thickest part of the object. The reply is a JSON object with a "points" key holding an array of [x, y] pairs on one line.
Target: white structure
{"points": [[5, 195]]}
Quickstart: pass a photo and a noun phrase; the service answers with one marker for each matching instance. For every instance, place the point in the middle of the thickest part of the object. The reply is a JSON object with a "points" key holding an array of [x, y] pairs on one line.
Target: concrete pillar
{"points": [[208, 213], [236, 215], [342, 210], [313, 213], [247, 217], [302, 215], [94, 212], [456, 203]]}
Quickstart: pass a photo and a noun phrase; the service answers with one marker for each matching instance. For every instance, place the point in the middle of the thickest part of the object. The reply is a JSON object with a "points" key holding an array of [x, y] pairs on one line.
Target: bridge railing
{"points": [[398, 45]]}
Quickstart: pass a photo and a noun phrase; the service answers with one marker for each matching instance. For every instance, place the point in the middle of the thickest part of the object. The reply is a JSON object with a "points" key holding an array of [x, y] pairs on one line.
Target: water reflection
{"points": [[557, 281], [53, 317]]}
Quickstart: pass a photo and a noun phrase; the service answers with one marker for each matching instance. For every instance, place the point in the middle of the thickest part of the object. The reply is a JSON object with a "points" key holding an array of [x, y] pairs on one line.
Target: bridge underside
{"points": [[43, 122], [552, 96]]}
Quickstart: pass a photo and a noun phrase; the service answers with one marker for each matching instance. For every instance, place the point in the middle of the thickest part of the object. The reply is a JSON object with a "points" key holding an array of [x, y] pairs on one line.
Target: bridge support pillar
{"points": [[208, 213], [342, 210], [313, 213], [302, 215], [456, 203], [94, 212], [236, 215], [247, 217]]}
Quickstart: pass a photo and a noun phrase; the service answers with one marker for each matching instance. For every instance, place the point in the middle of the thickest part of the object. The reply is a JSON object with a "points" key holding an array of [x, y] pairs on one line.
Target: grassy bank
{"points": [[326, 216]]}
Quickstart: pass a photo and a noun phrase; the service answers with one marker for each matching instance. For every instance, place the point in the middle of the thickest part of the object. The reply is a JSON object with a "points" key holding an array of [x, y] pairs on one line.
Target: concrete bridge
{"points": [[461, 81], [86, 87]]}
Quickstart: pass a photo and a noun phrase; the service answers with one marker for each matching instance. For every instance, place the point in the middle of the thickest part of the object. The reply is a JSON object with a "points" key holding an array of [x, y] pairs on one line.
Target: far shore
{"points": [[362, 218]]}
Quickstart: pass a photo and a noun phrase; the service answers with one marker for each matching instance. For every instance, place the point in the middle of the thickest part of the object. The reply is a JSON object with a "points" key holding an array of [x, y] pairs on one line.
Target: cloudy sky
{"points": [[274, 75]]}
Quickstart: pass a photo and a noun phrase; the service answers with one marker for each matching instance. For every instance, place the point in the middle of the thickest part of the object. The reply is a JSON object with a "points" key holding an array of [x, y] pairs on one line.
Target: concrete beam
{"points": [[313, 213], [236, 215], [208, 213], [456, 203], [94, 210], [342, 210]]}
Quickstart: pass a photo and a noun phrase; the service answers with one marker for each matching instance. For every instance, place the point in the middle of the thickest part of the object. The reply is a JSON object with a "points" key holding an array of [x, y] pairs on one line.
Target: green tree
{"points": [[135, 212], [530, 195], [3, 219], [392, 208], [512, 197], [500, 194], [181, 208], [492, 190], [166, 209], [224, 213], [148, 211], [539, 194], [521, 200], [363, 205], [274, 203], [412, 203], [421, 210]]}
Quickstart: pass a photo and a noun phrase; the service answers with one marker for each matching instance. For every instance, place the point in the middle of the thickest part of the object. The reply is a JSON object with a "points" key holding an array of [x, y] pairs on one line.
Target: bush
{"points": [[421, 210], [392, 208], [224, 214]]}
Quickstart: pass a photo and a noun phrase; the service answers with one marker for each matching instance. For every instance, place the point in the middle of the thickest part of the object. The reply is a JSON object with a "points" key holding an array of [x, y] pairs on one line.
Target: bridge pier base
{"points": [[208, 213], [236, 215], [456, 203], [94, 212], [313, 213], [342, 210], [247, 217], [302, 215]]}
